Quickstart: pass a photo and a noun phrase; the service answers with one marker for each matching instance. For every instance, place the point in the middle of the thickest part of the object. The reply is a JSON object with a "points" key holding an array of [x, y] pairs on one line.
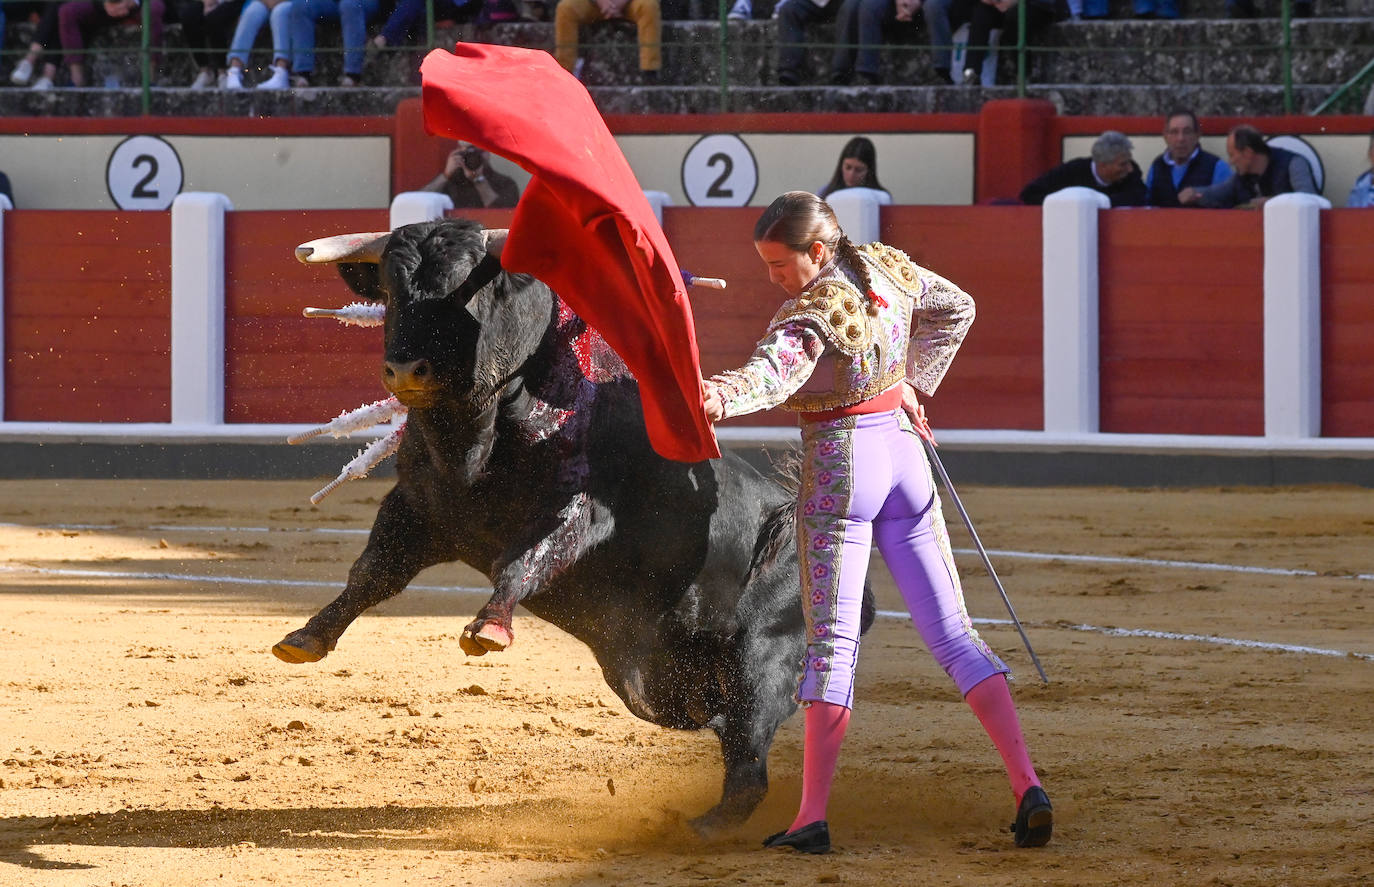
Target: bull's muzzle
{"points": [[412, 382]]}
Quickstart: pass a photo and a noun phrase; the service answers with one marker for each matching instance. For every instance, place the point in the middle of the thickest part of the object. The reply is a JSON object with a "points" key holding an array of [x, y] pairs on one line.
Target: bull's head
{"points": [[457, 326]]}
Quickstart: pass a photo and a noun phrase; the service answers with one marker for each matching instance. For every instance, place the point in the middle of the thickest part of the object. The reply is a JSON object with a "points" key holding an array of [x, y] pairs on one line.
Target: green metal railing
{"points": [[728, 44]]}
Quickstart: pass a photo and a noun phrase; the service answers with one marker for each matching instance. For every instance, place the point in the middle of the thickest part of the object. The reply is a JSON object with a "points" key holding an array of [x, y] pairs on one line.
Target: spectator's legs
{"points": [[846, 36], [1166, 8], [353, 16], [936, 13], [648, 18], [793, 17], [1095, 8], [872, 15], [191, 14], [304, 14], [73, 18], [220, 24], [401, 24], [982, 20], [568, 16], [280, 22], [251, 20]]}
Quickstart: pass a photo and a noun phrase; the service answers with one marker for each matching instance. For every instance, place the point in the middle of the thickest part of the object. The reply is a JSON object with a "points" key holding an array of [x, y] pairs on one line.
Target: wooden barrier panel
{"points": [[1347, 323], [279, 365], [87, 316], [1182, 321]]}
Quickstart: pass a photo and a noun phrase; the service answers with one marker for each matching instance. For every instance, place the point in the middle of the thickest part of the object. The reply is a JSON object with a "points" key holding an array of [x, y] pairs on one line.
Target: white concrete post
{"points": [[4, 205], [410, 207], [1070, 310], [658, 200], [857, 210], [198, 308], [1292, 316]]}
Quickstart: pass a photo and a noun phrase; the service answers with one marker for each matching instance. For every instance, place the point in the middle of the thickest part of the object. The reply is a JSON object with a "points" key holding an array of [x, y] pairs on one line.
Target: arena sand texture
{"points": [[148, 737]]}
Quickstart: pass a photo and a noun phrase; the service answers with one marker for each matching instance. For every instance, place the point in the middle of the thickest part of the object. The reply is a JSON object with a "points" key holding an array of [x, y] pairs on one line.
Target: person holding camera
{"points": [[471, 183]]}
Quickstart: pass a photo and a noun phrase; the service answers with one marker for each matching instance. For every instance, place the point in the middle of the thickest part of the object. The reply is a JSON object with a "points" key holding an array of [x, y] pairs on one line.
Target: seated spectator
{"points": [[857, 168], [858, 37], [207, 27], [402, 26], [985, 16], [647, 16], [1110, 170], [1183, 164], [251, 19], [1260, 172], [352, 15], [471, 183], [79, 21], [1362, 195]]}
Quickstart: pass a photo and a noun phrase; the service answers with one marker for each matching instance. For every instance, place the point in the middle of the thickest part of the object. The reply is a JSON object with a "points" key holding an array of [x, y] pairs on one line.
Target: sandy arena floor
{"points": [[148, 737]]}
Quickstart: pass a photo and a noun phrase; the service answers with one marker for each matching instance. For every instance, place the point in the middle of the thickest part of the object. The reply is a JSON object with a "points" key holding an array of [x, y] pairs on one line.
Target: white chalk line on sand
{"points": [[468, 589], [1006, 553]]}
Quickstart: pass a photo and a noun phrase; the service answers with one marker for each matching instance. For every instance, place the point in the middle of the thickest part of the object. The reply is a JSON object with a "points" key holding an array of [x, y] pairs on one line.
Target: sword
{"points": [[949, 488]]}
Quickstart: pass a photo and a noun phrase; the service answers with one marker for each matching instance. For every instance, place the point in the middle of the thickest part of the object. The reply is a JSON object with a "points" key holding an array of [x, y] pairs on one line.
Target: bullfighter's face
{"points": [[792, 269]]}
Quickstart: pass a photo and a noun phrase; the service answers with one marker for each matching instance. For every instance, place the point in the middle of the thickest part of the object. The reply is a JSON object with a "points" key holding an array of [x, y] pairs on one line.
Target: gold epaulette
{"points": [[897, 265], [839, 310]]}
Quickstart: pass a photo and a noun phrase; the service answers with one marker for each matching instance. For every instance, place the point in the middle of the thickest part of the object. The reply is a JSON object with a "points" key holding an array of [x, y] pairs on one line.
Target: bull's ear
{"points": [[364, 278]]}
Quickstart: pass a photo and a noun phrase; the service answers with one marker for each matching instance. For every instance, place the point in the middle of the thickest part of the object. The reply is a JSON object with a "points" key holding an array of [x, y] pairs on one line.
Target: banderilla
{"points": [[983, 552]]}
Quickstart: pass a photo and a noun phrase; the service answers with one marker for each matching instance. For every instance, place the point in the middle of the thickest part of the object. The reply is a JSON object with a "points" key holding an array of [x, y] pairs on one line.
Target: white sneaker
{"points": [[204, 80], [280, 79], [42, 83], [741, 11], [22, 73], [347, 81], [233, 78]]}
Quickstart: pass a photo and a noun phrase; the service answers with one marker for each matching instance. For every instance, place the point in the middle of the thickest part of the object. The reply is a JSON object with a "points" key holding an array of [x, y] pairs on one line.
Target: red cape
{"points": [[583, 225]]}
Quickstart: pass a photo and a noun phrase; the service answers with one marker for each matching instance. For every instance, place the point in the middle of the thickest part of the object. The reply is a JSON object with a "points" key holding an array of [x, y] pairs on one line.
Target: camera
{"points": [[472, 158]]}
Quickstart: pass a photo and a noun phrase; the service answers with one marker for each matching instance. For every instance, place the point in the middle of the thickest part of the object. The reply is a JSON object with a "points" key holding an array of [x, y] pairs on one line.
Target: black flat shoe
{"points": [[1034, 819], [813, 838]]}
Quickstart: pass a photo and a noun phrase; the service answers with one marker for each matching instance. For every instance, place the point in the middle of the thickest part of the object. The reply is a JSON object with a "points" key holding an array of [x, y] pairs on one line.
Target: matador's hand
{"points": [[715, 407], [916, 412]]}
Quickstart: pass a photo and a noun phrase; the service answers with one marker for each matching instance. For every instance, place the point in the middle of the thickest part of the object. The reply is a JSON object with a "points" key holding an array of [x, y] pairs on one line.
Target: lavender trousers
{"points": [[865, 479]]}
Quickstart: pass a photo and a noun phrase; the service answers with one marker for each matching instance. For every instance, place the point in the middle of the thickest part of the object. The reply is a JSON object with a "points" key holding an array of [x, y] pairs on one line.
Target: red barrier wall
{"points": [[87, 317], [279, 365], [1182, 313], [1347, 323]]}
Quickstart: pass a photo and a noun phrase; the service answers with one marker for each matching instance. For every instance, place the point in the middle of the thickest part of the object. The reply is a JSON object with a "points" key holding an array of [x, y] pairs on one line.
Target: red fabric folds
{"points": [[583, 225]]}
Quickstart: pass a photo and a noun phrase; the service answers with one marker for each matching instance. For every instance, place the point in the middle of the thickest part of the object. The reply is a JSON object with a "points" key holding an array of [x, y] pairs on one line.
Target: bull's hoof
{"points": [[301, 646], [491, 637]]}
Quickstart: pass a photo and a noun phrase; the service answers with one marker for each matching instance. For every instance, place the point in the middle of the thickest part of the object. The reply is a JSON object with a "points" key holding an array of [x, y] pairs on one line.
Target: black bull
{"points": [[682, 579]]}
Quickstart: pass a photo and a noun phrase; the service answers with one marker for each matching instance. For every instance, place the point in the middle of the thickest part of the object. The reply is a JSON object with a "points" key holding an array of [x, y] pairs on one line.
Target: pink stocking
{"points": [[991, 702], [825, 726]]}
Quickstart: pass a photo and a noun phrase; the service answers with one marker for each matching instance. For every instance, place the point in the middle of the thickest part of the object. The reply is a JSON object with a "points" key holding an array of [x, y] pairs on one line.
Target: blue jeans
{"points": [[352, 16], [859, 22], [251, 20], [1160, 8], [409, 16]]}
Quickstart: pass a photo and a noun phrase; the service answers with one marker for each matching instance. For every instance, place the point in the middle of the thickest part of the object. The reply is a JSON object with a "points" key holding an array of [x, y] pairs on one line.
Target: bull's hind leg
{"points": [[384, 569]]}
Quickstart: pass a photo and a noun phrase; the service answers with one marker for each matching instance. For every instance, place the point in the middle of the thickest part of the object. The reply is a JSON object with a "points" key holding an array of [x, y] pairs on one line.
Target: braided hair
{"points": [[798, 219]]}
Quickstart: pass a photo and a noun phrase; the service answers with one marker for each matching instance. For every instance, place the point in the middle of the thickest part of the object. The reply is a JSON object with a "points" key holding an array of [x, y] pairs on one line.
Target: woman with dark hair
{"points": [[864, 329], [856, 168]]}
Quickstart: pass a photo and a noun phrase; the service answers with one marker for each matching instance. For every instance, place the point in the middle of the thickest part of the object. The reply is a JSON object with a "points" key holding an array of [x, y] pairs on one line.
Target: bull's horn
{"points": [[344, 248]]}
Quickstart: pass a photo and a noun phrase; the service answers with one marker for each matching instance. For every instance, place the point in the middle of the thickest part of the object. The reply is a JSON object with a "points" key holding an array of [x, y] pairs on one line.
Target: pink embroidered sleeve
{"points": [[782, 362]]}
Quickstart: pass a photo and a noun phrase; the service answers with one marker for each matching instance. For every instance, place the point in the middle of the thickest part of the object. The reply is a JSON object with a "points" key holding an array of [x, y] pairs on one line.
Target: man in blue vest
{"points": [[1260, 172], [1184, 164]]}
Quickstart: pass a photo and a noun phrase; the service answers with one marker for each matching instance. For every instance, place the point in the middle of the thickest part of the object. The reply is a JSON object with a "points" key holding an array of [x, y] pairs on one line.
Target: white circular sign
{"points": [[144, 172], [720, 170]]}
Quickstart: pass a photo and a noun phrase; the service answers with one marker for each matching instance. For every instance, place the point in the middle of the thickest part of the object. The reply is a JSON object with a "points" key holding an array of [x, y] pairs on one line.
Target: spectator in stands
{"points": [[251, 19], [858, 36], [1183, 164], [78, 21], [856, 168], [1260, 172], [408, 17], [471, 183], [647, 16], [207, 26], [41, 58], [1362, 195], [1110, 170], [352, 15], [985, 16]]}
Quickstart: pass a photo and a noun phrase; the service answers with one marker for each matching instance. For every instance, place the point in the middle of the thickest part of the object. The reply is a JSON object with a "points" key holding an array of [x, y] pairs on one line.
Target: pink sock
{"points": [[991, 702], [825, 726]]}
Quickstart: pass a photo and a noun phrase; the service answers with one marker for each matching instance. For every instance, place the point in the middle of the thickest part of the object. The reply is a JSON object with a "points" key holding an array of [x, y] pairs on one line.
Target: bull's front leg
{"points": [[394, 555], [543, 551]]}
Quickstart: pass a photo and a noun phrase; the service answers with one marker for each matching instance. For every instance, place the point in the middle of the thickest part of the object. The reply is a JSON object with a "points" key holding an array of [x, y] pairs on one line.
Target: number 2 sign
{"points": [[719, 170], [144, 172]]}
